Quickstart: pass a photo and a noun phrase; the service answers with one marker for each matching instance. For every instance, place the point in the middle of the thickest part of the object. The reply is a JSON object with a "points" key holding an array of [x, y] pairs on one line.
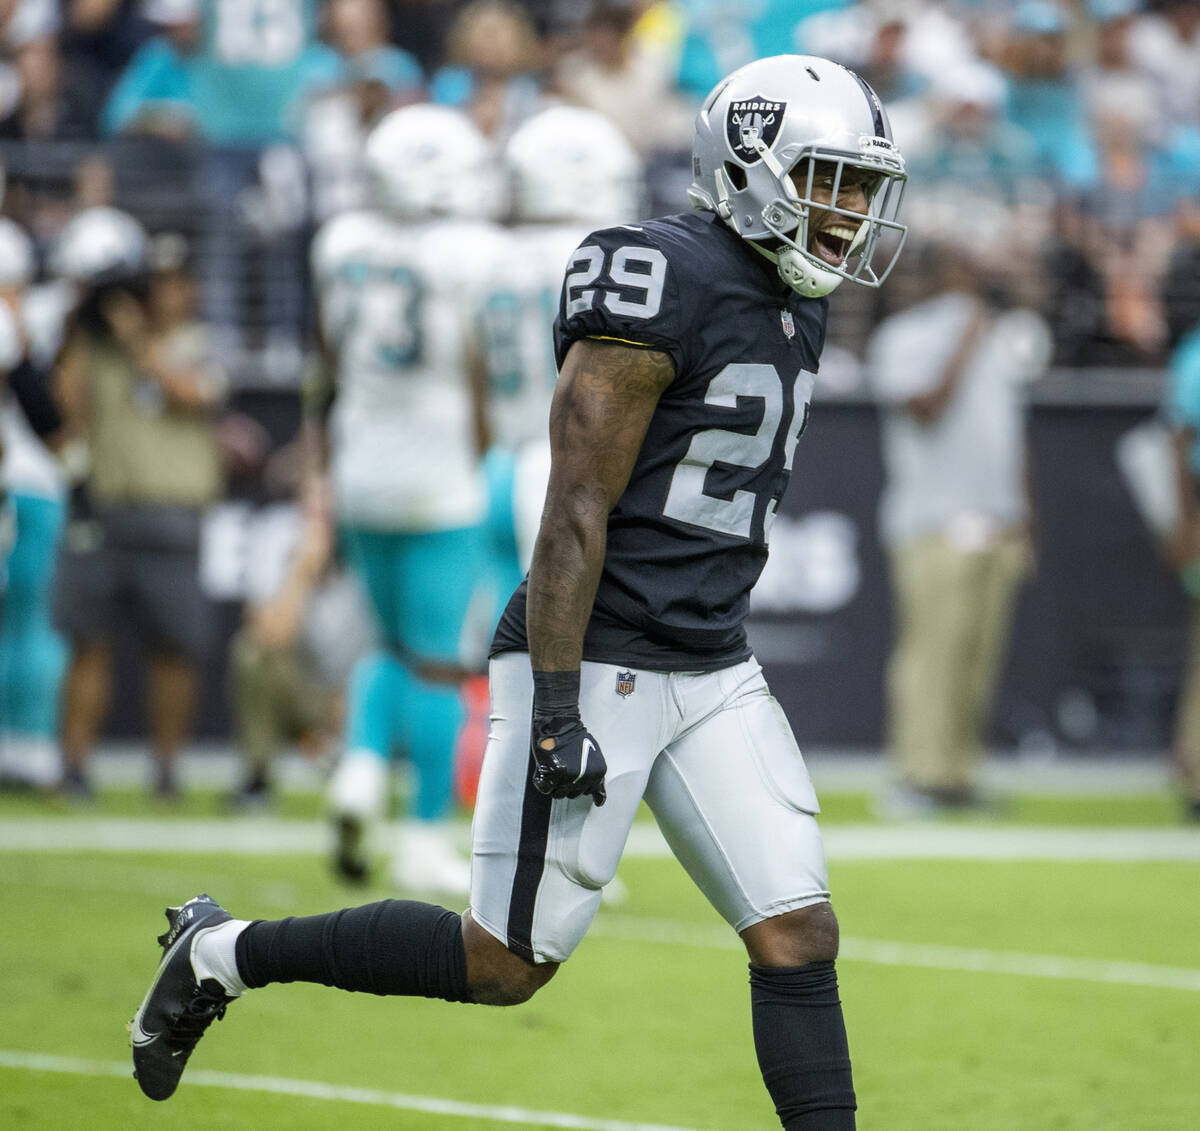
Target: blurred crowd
{"points": [[1059, 138], [1053, 148]]}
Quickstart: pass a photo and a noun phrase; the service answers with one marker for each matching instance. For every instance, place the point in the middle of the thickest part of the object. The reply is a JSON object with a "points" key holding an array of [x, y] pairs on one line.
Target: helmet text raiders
{"points": [[796, 155]]}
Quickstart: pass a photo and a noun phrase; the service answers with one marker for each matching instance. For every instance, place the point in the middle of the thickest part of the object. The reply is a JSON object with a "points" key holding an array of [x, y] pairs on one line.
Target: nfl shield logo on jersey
{"points": [[625, 682], [752, 119], [789, 325]]}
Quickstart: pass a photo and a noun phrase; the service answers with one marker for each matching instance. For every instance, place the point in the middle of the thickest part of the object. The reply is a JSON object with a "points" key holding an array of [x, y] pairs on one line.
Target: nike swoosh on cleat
{"points": [[138, 1037]]}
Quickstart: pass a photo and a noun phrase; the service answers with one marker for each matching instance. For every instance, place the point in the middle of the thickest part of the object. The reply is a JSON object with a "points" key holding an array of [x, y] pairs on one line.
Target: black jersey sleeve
{"points": [[622, 284], [31, 388]]}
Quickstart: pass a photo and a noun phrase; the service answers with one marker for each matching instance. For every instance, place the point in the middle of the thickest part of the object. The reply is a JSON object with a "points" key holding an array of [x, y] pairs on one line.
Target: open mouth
{"points": [[832, 244]]}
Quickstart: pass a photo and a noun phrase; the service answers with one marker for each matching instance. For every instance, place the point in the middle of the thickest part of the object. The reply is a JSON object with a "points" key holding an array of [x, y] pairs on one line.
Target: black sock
{"points": [[393, 947], [800, 1039]]}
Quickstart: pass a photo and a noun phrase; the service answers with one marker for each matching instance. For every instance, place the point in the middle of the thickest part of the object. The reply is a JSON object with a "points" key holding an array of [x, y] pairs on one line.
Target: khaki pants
{"points": [[1187, 713], [952, 612], [275, 701]]}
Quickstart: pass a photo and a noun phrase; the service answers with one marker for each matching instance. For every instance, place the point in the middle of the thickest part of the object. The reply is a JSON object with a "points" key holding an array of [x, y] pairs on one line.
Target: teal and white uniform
{"points": [[395, 309], [255, 58], [32, 654], [516, 321]]}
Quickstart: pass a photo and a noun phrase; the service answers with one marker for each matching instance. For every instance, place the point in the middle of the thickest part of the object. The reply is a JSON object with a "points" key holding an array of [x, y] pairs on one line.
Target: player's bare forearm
{"points": [[606, 395], [1182, 442], [477, 378], [69, 386], [317, 394], [927, 408]]}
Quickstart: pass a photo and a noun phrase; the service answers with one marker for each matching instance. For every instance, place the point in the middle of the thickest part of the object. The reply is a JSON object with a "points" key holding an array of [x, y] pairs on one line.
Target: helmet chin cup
{"points": [[803, 276]]}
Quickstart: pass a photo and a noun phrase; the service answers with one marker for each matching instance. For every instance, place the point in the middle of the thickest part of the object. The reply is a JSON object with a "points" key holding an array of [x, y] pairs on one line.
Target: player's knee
{"points": [[495, 975], [513, 986], [809, 934]]}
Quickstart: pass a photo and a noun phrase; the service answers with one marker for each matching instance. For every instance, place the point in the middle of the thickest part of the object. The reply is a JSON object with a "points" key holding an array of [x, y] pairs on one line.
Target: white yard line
{"points": [[882, 952], [271, 836], [1008, 842], [314, 1090], [268, 836], [1104, 774]]}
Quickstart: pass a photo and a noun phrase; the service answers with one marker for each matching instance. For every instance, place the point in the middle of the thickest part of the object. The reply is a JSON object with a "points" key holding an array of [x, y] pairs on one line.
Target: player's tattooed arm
{"points": [[318, 393], [606, 395]]}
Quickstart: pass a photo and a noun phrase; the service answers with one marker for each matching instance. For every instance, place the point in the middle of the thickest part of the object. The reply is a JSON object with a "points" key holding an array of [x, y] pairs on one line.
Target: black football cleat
{"points": [[176, 1009]]}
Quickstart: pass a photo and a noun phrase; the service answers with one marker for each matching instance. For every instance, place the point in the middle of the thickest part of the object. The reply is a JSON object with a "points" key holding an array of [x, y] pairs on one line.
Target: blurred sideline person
{"points": [[304, 626], [493, 59], [401, 431], [1183, 551], [32, 654], [252, 66], [687, 347], [955, 517], [138, 389]]}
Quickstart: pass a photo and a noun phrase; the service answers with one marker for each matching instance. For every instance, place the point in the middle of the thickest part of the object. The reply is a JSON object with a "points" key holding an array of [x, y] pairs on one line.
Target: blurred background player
{"points": [[138, 388], [304, 626], [404, 442], [1182, 545], [32, 654], [955, 517], [570, 171]]}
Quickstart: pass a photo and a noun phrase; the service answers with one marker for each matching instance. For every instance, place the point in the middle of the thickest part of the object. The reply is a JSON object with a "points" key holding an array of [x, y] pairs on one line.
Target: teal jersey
{"points": [[257, 56], [1183, 391]]}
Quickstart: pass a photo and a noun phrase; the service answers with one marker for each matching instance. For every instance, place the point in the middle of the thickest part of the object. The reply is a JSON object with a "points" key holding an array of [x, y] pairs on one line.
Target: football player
{"points": [[32, 654], [404, 437], [621, 669]]}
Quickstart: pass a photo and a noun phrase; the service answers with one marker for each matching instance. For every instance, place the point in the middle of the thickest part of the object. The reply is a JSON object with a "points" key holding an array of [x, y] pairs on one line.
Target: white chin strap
{"points": [[803, 277]]}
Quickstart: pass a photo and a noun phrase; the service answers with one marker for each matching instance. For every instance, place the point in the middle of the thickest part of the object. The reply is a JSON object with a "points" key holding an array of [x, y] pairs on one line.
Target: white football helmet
{"points": [[16, 255], [426, 160], [801, 115], [100, 245], [568, 163]]}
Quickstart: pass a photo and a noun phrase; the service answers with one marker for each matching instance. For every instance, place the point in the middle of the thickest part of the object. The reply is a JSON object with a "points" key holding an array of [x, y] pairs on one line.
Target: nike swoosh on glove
{"points": [[567, 760]]}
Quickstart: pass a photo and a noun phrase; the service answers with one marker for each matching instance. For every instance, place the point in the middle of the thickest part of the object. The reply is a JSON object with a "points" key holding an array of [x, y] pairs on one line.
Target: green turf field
{"points": [[989, 993]]}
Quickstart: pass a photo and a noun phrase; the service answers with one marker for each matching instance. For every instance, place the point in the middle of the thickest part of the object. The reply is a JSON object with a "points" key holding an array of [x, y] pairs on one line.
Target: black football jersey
{"points": [[688, 538]]}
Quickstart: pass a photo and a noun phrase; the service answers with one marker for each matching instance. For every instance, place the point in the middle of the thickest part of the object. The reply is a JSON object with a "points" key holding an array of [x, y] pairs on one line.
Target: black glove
{"points": [[567, 761]]}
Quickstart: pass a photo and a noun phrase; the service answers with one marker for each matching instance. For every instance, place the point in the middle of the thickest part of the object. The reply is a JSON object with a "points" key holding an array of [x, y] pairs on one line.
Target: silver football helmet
{"points": [[780, 146], [426, 160], [99, 245], [16, 255], [570, 163]]}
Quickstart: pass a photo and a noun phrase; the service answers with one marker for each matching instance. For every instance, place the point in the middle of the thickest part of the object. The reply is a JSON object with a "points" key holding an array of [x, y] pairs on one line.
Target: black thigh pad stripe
{"points": [[531, 864]]}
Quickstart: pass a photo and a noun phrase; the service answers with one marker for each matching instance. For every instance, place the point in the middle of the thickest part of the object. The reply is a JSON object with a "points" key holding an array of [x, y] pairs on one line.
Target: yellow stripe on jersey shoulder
{"points": [[622, 341]]}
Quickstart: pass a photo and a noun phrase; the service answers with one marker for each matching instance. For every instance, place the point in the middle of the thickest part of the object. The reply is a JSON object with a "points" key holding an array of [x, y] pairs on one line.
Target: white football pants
{"points": [[714, 758]]}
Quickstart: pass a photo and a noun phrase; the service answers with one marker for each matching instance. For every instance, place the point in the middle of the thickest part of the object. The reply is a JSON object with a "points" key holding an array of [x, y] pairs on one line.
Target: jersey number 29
{"points": [[687, 500]]}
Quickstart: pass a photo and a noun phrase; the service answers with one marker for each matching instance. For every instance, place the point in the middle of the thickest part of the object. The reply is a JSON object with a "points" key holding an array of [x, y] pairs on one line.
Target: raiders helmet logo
{"points": [[751, 120]]}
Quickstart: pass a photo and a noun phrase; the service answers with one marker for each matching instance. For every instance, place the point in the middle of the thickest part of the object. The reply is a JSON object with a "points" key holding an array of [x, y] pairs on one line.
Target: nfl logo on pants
{"points": [[625, 682]]}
